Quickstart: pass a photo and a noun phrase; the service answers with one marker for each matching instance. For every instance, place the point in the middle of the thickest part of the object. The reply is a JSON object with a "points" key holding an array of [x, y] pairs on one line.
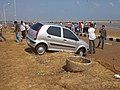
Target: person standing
{"points": [[95, 26], [92, 37], [73, 27], [23, 30], [17, 32], [69, 25], [102, 36], [1, 34], [27, 26], [82, 26]]}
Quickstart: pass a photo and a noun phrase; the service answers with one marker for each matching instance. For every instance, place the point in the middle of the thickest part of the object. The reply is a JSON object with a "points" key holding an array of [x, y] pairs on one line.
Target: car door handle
{"points": [[64, 40], [49, 36]]}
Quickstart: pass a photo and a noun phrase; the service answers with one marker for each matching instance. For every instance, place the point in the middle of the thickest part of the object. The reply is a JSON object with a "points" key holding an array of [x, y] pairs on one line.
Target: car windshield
{"points": [[36, 26]]}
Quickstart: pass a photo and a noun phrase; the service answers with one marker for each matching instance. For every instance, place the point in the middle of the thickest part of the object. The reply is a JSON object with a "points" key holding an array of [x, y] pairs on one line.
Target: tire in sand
{"points": [[77, 64]]}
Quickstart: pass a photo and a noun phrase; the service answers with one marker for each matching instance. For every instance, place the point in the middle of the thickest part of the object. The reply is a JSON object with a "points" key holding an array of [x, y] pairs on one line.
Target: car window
{"points": [[36, 26], [56, 31], [69, 35]]}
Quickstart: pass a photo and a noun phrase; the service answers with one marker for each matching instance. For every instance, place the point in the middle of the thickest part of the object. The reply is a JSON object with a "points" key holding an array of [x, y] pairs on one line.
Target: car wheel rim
{"points": [[41, 50], [81, 53]]}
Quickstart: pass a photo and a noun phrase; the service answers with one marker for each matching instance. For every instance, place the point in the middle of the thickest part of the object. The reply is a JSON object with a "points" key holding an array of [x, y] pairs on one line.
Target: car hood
{"points": [[82, 42]]}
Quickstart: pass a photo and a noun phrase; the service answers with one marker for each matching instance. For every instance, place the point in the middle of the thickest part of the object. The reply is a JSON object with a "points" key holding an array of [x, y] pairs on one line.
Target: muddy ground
{"points": [[21, 69]]}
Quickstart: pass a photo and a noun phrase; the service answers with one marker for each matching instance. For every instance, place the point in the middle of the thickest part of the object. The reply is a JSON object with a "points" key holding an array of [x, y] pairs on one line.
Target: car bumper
{"points": [[30, 42]]}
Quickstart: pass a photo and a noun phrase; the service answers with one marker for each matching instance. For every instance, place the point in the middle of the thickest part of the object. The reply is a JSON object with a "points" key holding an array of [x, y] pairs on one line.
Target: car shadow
{"points": [[32, 51], [51, 51], [29, 50]]}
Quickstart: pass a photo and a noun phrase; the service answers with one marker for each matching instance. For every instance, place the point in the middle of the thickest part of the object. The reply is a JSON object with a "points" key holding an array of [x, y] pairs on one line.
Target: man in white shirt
{"points": [[27, 26], [82, 26], [23, 29], [92, 37]]}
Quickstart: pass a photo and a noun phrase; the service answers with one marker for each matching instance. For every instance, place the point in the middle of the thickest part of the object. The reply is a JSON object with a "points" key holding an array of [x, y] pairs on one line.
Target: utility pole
{"points": [[15, 10], [4, 14]]}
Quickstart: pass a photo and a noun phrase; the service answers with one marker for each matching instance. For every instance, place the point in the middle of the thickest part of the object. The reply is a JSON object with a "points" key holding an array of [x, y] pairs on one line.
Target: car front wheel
{"points": [[81, 52]]}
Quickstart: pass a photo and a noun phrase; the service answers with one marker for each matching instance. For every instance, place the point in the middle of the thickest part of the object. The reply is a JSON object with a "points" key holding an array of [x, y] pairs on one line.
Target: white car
{"points": [[56, 38]]}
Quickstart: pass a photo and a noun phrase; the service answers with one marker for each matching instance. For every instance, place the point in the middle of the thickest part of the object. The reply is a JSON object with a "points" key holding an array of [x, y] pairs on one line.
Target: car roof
{"points": [[52, 24], [57, 25]]}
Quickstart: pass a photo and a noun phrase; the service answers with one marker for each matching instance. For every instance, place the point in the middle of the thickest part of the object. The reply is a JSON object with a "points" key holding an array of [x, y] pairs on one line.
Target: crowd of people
{"points": [[80, 27], [21, 30], [90, 29]]}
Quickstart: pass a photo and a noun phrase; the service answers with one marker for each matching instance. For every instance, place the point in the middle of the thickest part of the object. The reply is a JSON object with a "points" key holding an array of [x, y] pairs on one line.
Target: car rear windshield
{"points": [[36, 26]]}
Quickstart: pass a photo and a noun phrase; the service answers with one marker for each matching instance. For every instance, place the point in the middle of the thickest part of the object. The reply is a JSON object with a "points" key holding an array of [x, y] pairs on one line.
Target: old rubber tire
{"points": [[77, 64]]}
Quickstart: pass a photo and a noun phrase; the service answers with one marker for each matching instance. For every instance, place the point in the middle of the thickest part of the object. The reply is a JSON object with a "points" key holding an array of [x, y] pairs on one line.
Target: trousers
{"points": [[92, 46]]}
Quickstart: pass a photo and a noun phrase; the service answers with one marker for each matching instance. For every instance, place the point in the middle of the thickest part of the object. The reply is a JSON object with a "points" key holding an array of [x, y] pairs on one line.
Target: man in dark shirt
{"points": [[102, 36], [17, 31]]}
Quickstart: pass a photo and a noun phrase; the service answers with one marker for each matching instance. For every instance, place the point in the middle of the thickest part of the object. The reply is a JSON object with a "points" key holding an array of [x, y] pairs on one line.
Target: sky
{"points": [[59, 10]]}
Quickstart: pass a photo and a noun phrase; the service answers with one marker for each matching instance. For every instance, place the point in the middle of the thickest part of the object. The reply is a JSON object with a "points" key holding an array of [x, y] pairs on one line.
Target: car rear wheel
{"points": [[40, 49]]}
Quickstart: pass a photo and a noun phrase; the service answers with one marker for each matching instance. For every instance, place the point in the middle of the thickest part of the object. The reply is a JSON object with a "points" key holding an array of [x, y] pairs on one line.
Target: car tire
{"points": [[40, 49], [81, 52]]}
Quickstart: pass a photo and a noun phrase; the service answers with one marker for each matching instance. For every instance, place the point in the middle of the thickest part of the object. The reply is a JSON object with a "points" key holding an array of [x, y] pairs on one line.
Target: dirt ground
{"points": [[21, 69]]}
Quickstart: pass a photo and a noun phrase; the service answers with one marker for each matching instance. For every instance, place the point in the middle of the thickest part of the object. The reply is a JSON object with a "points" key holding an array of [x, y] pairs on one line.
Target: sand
{"points": [[21, 69]]}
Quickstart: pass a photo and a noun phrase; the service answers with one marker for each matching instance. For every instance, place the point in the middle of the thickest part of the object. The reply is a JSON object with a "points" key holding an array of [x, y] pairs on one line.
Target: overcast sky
{"points": [[49, 10]]}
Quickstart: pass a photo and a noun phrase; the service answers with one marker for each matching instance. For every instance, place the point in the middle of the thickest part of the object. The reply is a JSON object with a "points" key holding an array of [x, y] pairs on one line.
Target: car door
{"points": [[54, 37], [69, 39]]}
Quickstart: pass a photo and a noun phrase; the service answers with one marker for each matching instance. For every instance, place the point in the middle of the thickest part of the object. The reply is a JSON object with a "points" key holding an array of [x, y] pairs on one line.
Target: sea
{"points": [[109, 24]]}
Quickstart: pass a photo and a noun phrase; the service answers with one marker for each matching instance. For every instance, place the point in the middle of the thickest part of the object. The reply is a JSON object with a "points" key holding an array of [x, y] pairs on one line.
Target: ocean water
{"points": [[113, 25]]}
